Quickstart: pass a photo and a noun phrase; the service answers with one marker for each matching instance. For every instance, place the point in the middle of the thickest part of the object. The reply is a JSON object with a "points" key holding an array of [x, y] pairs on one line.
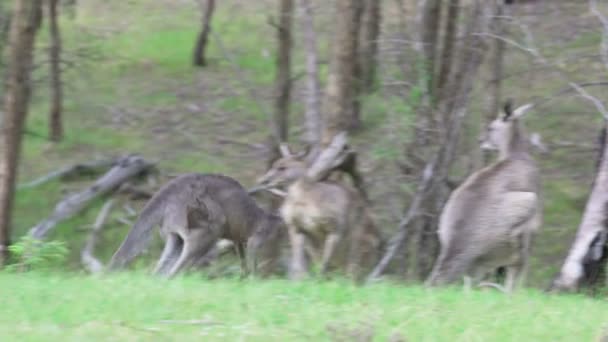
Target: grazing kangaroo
{"points": [[489, 220], [197, 210], [319, 216]]}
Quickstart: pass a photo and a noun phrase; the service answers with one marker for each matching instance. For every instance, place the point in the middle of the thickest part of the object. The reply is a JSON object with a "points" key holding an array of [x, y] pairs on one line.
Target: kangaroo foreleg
{"points": [[329, 248]]}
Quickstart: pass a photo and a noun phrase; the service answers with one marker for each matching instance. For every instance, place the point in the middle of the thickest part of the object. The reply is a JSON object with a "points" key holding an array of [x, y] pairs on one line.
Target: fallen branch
{"points": [[125, 169], [136, 193], [87, 169], [90, 262]]}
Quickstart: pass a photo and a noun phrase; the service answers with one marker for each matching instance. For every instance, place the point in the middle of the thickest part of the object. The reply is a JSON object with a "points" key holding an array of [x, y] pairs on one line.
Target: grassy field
{"points": [[134, 307]]}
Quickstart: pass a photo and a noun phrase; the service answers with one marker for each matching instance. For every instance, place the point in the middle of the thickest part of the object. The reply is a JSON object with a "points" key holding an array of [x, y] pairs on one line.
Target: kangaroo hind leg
{"points": [[173, 248]]}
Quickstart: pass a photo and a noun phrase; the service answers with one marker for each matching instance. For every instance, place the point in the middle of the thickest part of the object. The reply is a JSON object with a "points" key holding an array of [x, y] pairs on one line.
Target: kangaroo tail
{"points": [[139, 236]]}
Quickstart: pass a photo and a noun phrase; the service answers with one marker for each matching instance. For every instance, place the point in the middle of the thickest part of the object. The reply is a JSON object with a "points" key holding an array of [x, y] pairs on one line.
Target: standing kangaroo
{"points": [[489, 220], [195, 211], [321, 215]]}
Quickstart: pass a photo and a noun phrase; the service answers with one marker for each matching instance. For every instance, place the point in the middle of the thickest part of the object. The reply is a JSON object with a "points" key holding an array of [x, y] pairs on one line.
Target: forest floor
{"points": [[130, 88], [134, 307]]}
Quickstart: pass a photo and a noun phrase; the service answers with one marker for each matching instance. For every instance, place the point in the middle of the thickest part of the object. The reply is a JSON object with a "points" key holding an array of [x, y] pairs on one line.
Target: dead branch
{"points": [[252, 146], [77, 170], [137, 193], [125, 169], [88, 259]]}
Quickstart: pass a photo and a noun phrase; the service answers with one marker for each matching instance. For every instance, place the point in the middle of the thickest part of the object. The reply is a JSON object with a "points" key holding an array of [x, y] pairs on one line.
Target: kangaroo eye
{"points": [[281, 168]]}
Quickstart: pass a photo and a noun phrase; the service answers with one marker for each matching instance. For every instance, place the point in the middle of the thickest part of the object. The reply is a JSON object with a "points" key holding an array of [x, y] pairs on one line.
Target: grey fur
{"points": [[327, 221], [489, 220], [195, 211]]}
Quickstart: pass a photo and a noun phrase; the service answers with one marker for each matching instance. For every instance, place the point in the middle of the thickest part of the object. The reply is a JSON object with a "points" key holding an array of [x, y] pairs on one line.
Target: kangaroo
{"points": [[197, 210], [489, 220], [321, 214]]}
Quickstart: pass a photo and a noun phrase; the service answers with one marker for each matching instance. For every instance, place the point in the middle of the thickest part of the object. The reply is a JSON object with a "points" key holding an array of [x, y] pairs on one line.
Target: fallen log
{"points": [[85, 169], [90, 262], [124, 169]]}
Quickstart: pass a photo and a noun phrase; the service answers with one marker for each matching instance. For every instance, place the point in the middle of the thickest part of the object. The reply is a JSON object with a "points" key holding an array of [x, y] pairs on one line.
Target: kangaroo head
{"points": [[284, 171], [501, 131]]}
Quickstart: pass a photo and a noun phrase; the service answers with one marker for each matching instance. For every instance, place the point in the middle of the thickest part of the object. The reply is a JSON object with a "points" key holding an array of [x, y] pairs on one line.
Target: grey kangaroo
{"points": [[489, 220], [324, 216], [195, 211]]}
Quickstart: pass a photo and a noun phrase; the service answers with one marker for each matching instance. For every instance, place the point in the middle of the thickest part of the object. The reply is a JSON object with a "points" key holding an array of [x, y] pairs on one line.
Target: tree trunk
{"points": [[370, 31], [447, 53], [24, 24], [313, 97], [283, 65], [589, 251], [201, 41], [431, 15], [55, 121], [497, 65], [341, 103]]}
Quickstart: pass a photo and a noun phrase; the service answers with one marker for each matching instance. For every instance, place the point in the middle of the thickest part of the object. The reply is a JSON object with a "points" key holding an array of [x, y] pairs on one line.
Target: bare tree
{"points": [[55, 121], [203, 37], [370, 31], [432, 190], [341, 103], [313, 97], [24, 24]]}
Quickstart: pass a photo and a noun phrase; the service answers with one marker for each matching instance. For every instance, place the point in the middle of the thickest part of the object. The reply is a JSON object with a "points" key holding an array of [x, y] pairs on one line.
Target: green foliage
{"points": [[33, 254]]}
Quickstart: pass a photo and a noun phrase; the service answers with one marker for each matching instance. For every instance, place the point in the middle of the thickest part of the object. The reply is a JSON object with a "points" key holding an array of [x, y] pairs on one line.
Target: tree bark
{"points": [[283, 65], [589, 251], [55, 121], [431, 15], [447, 52], [341, 103], [24, 24], [203, 37], [313, 96], [370, 31], [497, 65]]}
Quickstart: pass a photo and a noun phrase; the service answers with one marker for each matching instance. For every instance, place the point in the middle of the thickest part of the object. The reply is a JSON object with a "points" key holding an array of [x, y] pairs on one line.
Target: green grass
{"points": [[133, 307]]}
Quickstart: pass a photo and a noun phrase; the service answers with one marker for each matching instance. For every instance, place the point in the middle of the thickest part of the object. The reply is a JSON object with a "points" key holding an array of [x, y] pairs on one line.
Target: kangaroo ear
{"points": [[521, 110]]}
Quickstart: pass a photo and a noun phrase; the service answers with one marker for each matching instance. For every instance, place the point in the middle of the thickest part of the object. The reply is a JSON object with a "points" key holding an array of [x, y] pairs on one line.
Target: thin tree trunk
{"points": [[283, 65], [313, 97], [370, 31], [24, 24], [55, 122], [341, 94], [447, 53], [431, 16], [497, 65], [431, 193], [203, 37], [588, 253], [282, 87]]}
